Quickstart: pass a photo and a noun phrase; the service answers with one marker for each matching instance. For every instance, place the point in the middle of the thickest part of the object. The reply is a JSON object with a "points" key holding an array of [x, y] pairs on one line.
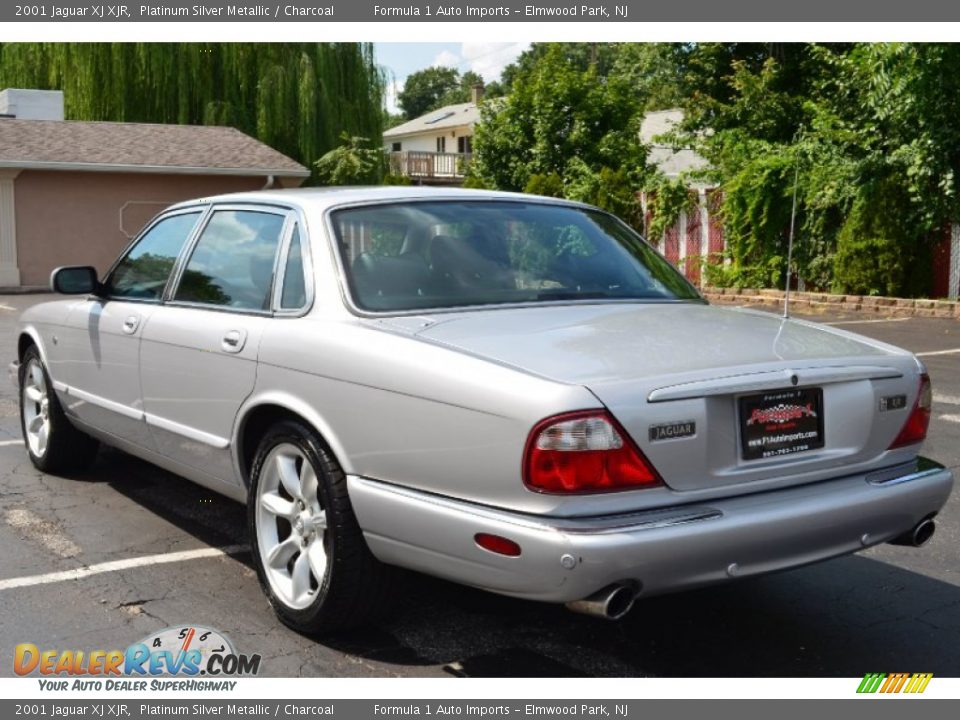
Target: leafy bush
{"points": [[767, 274], [353, 162], [548, 185], [667, 199], [878, 244], [393, 179], [868, 135], [608, 189]]}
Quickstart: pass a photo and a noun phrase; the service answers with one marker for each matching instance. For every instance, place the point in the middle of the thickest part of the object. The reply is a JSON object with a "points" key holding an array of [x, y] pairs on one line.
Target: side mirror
{"points": [[74, 280]]}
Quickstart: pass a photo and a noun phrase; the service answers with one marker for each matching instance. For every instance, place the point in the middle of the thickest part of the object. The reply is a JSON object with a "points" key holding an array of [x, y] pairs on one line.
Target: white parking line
{"points": [[866, 322], [954, 351], [946, 399], [7, 307], [6, 443], [114, 566], [950, 418]]}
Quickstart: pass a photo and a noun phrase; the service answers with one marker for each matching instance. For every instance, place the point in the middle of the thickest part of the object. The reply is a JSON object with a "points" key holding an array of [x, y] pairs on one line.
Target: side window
{"points": [[294, 293], [232, 263], [143, 272]]}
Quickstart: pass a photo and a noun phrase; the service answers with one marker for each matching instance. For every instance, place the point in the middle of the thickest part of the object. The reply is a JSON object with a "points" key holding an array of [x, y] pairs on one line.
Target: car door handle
{"points": [[233, 341], [130, 324]]}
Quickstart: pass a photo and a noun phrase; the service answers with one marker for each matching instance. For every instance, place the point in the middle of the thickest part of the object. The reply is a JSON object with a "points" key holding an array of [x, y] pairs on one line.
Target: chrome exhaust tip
{"points": [[611, 603], [919, 536]]}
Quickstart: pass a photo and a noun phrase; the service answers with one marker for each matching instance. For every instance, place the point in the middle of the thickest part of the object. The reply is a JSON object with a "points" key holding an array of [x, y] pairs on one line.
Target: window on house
{"points": [[396, 147], [465, 144], [442, 144]]}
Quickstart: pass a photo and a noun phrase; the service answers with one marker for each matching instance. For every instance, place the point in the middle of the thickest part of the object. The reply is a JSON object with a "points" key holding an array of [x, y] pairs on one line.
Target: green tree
{"points": [[654, 70], [462, 93], [426, 89], [869, 131], [435, 87], [296, 97], [562, 118], [353, 162]]}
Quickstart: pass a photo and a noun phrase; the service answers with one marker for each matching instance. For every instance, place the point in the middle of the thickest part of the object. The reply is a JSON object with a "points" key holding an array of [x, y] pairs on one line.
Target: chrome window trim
{"points": [[189, 304], [297, 223]]}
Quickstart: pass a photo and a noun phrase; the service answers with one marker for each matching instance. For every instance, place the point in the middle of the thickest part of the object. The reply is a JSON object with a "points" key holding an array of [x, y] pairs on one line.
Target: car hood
{"points": [[595, 345]]}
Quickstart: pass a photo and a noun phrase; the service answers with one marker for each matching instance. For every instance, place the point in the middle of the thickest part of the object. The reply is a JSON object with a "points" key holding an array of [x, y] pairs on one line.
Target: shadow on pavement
{"points": [[842, 618]]}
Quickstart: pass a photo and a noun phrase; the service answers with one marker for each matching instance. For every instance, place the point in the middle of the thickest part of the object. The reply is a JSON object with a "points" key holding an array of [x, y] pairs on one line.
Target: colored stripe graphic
{"points": [[894, 683], [898, 683], [870, 682], [922, 680]]}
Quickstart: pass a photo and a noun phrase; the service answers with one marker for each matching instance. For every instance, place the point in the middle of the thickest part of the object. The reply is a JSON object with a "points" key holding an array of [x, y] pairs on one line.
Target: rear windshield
{"points": [[418, 255]]}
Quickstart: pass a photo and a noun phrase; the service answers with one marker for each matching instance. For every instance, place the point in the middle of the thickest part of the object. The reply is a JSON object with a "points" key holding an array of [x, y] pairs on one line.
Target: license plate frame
{"points": [[779, 423]]}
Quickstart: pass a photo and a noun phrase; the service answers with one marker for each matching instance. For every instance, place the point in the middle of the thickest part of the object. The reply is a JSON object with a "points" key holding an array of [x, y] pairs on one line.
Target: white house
{"points": [[697, 238], [671, 162], [436, 147]]}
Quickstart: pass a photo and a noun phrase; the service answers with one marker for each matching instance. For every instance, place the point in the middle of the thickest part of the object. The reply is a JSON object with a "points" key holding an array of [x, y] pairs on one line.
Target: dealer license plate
{"points": [[781, 422]]}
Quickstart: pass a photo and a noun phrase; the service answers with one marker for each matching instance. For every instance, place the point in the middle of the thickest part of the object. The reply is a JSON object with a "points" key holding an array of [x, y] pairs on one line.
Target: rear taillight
{"points": [[584, 452], [915, 429]]}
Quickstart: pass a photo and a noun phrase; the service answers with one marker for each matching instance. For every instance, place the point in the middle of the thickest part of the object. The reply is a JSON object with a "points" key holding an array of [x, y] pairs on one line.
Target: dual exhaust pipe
{"points": [[611, 603], [917, 537], [615, 601]]}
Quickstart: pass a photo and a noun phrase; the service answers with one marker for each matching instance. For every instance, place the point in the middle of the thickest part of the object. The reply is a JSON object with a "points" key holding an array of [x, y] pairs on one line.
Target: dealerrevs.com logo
{"points": [[186, 651]]}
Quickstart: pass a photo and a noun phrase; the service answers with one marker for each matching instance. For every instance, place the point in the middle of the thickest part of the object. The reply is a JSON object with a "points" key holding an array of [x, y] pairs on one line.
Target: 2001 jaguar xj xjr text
{"points": [[512, 392]]}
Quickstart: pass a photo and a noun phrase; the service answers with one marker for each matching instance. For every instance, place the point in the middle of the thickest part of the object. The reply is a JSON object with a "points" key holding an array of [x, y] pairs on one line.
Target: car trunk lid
{"points": [[680, 377]]}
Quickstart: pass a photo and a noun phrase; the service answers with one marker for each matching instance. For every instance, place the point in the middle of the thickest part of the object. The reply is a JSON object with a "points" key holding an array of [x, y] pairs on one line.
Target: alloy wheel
{"points": [[291, 526], [35, 405]]}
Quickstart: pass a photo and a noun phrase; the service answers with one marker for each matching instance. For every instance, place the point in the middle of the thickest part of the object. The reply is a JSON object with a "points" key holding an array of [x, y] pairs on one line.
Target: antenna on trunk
{"points": [[793, 219]]}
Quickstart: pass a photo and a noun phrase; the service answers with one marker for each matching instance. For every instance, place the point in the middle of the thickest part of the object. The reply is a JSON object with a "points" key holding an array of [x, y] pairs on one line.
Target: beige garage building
{"points": [[74, 193]]}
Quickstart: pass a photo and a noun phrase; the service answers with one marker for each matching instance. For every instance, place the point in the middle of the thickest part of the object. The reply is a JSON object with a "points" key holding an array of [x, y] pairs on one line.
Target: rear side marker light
{"points": [[915, 428], [584, 452], [497, 544]]}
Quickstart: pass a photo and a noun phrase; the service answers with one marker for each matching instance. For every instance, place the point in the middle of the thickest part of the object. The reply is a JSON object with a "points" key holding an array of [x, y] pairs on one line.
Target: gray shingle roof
{"points": [[439, 119], [87, 145]]}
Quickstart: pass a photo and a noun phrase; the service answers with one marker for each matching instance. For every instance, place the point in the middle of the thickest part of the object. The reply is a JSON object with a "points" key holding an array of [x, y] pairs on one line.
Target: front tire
{"points": [[53, 443], [308, 549]]}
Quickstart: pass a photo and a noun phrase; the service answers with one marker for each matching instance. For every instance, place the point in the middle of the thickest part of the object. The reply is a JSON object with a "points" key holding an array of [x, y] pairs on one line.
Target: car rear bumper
{"points": [[567, 559]]}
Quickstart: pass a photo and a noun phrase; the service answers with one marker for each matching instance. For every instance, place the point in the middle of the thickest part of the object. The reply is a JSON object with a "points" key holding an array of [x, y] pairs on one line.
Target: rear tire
{"points": [[308, 549], [53, 443]]}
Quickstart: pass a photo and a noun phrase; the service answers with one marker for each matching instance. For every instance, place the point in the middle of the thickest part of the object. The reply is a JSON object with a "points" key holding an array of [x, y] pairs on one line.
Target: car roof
{"points": [[321, 198]]}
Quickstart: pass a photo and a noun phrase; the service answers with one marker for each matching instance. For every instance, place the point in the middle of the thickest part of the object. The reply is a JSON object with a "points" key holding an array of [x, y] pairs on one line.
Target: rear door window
{"points": [[233, 262], [293, 295]]}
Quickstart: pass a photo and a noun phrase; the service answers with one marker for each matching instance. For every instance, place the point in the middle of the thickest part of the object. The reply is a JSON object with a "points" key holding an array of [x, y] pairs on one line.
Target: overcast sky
{"points": [[402, 59]]}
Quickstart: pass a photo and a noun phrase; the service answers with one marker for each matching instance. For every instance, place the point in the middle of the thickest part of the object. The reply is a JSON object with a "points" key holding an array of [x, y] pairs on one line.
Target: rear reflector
{"points": [[584, 452], [497, 544], [915, 429]]}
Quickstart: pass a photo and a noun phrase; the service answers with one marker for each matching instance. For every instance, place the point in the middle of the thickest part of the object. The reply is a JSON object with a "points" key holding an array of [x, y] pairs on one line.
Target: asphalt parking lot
{"points": [[888, 609]]}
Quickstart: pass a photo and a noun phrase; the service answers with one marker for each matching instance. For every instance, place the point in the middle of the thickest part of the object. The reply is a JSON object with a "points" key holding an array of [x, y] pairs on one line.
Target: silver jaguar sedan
{"points": [[512, 392]]}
